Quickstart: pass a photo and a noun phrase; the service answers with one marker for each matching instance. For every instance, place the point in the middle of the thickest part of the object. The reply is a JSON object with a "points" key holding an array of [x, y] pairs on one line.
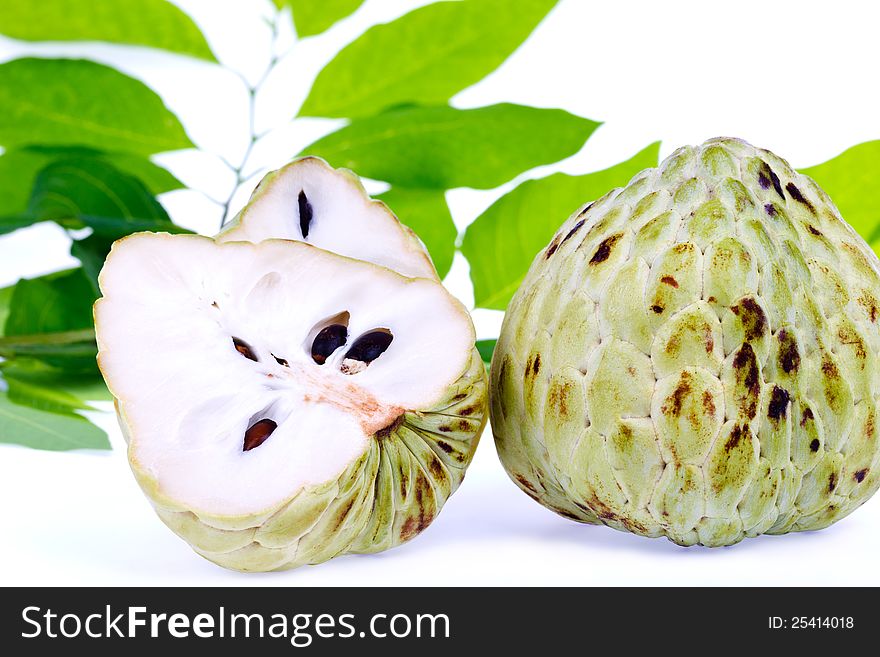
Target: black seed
{"points": [[328, 340], [244, 349], [258, 432], [281, 361], [657, 309], [860, 475], [770, 209], [370, 346], [814, 445], [305, 214]]}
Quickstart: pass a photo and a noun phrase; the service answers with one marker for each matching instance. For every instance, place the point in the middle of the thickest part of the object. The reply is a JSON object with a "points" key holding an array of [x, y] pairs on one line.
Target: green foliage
{"points": [[50, 319], [851, 181], [40, 429], [19, 168], [426, 212], [486, 349], [502, 242], [153, 23], [91, 192], [73, 102], [312, 17], [442, 147], [425, 57]]}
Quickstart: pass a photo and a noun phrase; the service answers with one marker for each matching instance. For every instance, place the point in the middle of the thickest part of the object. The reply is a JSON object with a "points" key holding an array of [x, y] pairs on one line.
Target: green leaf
{"points": [[486, 348], [67, 102], [312, 17], [424, 57], [5, 298], [90, 387], [443, 148], [426, 212], [502, 242], [851, 181], [152, 23], [91, 252], [50, 318], [51, 431], [19, 169], [43, 398], [91, 192]]}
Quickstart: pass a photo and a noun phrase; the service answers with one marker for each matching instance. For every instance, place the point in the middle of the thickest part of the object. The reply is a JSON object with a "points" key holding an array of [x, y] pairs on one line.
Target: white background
{"points": [[799, 78]]}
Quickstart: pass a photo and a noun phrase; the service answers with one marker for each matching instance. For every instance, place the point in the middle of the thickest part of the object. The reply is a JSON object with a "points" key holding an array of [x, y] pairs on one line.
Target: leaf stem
{"points": [[39, 339], [252, 90]]}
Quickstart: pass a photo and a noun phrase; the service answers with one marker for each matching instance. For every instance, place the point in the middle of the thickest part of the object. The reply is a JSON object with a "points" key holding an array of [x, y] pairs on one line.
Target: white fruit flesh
{"points": [[171, 307], [309, 201]]}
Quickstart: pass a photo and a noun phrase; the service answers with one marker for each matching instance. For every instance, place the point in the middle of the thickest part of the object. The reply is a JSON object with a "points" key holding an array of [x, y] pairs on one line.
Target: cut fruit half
{"points": [[309, 201], [284, 404]]}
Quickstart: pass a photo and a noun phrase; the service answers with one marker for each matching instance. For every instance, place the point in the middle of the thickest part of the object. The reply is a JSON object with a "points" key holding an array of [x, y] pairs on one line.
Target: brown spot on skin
{"points": [[604, 250], [586, 209], [631, 370], [806, 416], [869, 303], [708, 403], [436, 469], [870, 428], [552, 248], [445, 428], [709, 341], [752, 317], [778, 406], [789, 358], [408, 530], [829, 369], [814, 444], [464, 425], [669, 280], [459, 396], [576, 228], [766, 177], [536, 364], [468, 410], [711, 299], [746, 363], [832, 482], [860, 475], [736, 436], [657, 309], [558, 398], [386, 431], [795, 193], [446, 447], [525, 483], [675, 401], [813, 230], [342, 516]]}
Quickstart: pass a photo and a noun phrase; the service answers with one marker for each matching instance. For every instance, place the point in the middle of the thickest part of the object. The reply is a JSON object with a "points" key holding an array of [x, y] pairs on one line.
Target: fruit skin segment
{"points": [[385, 498], [695, 356]]}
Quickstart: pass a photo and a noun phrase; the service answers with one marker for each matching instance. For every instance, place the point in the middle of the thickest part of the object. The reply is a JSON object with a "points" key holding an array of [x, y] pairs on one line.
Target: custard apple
{"points": [[284, 404], [695, 356]]}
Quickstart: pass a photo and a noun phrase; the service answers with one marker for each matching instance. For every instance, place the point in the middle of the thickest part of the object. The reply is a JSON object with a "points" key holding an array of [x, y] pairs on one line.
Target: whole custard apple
{"points": [[695, 356]]}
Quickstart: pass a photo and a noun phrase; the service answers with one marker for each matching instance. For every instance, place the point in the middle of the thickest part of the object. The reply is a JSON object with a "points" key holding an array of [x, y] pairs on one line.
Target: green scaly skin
{"points": [[696, 356]]}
